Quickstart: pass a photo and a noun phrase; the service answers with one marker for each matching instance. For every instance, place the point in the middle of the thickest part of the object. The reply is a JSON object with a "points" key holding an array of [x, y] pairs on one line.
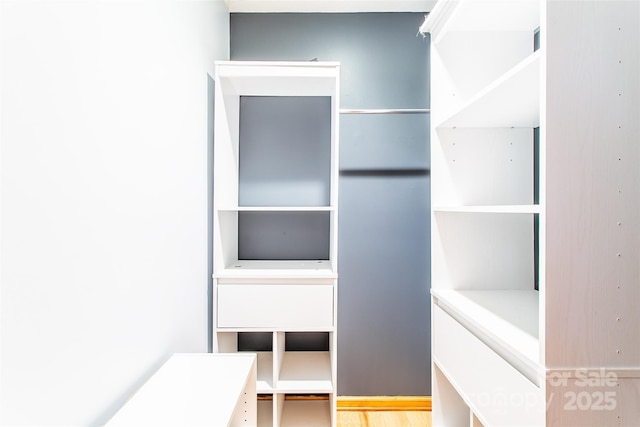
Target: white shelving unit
{"points": [[535, 212], [268, 212]]}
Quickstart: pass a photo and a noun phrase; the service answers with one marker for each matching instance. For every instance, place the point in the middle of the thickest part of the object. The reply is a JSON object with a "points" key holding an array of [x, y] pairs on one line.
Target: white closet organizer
{"points": [[275, 229], [535, 212]]}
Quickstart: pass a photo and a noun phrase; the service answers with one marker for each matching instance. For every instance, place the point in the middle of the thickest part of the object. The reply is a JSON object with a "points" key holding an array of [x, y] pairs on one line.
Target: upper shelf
{"points": [[268, 78], [512, 100], [472, 15]]}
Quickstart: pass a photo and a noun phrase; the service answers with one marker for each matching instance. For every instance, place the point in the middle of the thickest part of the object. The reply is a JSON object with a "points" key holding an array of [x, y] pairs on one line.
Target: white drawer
{"points": [[498, 393], [287, 306]]}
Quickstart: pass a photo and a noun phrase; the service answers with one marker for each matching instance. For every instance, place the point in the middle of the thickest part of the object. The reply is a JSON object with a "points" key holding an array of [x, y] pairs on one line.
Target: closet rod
{"points": [[384, 110]]}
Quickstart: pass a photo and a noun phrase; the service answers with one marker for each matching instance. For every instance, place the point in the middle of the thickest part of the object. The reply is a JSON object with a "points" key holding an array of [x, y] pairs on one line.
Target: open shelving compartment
{"points": [[275, 229], [486, 210], [534, 155], [296, 386]]}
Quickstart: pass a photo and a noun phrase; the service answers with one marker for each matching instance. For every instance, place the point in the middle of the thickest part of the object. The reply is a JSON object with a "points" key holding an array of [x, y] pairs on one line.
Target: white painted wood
{"points": [[294, 307], [284, 209], [449, 409], [277, 269], [505, 320], [481, 16], [582, 89], [483, 166], [278, 408], [305, 372], [328, 6], [592, 232], [279, 347], [277, 79], [514, 209], [195, 390], [489, 54], [497, 393], [483, 251], [495, 105], [264, 372]]}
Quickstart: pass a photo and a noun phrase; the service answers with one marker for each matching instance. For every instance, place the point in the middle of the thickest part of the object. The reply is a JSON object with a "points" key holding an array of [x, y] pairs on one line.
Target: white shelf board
{"points": [[515, 209], [273, 269], [279, 209], [313, 413], [264, 382], [328, 6], [305, 372], [508, 318], [471, 15], [512, 100], [268, 78], [265, 413]]}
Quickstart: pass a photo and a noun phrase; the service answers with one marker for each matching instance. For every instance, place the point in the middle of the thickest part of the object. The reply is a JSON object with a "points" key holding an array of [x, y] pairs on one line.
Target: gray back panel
{"points": [[285, 150]]}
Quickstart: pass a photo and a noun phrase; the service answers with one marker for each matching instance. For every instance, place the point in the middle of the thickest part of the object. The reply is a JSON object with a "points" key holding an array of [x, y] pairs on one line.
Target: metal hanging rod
{"points": [[385, 110]]}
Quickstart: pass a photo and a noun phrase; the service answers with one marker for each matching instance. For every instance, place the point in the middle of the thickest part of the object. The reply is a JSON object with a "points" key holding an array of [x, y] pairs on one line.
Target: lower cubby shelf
{"points": [[310, 413], [296, 379], [287, 410], [305, 372]]}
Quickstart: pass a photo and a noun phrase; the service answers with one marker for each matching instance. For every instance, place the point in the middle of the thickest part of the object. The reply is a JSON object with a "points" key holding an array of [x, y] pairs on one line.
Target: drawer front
{"points": [[294, 307], [496, 391]]}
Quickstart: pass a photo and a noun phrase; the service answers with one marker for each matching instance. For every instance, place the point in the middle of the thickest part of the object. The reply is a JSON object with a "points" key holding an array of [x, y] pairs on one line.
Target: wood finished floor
{"points": [[384, 419]]}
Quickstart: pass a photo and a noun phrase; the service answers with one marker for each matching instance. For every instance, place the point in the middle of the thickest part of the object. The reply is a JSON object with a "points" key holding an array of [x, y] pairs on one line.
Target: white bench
{"points": [[216, 390]]}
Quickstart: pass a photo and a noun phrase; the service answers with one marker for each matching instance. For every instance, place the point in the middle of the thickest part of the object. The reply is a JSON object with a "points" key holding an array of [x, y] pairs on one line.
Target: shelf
{"points": [[305, 372], [515, 209], [308, 413], [267, 269], [467, 15], [510, 101], [278, 209], [506, 320], [263, 78]]}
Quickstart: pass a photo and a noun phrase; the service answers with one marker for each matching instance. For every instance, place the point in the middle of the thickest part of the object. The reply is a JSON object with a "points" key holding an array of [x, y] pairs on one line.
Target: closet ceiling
{"points": [[324, 6]]}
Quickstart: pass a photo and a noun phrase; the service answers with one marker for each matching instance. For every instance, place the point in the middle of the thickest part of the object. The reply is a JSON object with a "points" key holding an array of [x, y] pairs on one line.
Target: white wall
{"points": [[104, 199]]}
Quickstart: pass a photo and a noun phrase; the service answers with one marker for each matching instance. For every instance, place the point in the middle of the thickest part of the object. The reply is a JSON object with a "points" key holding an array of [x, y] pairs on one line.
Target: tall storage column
{"points": [[275, 232], [535, 203]]}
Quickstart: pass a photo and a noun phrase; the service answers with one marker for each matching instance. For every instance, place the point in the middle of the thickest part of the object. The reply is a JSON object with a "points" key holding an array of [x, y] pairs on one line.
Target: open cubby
{"points": [[307, 341], [284, 235], [255, 341]]}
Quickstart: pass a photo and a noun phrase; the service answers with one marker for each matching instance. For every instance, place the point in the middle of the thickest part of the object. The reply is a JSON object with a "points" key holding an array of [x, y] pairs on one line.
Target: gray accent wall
{"points": [[383, 256]]}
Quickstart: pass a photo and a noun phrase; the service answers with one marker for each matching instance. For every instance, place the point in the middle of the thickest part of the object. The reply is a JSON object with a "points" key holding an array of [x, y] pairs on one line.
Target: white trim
{"points": [[328, 6]]}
